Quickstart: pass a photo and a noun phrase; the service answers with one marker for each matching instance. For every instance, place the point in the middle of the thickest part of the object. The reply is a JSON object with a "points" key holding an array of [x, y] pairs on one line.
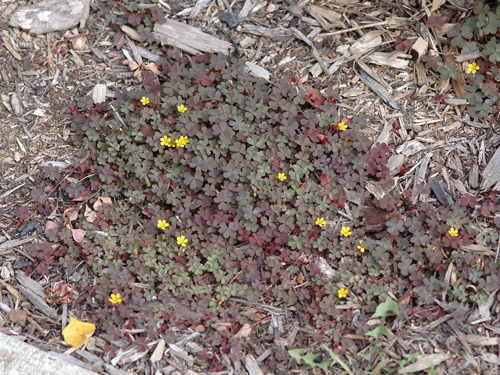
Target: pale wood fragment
{"points": [[474, 177], [189, 39], [11, 49], [257, 71], [78, 61], [252, 366], [247, 8], [17, 105], [395, 163], [421, 73], [425, 363], [318, 17], [35, 293], [266, 31], [384, 59], [384, 136], [328, 14], [468, 56], [419, 48], [410, 148], [366, 42], [379, 90], [420, 176], [491, 174], [315, 52], [99, 93], [200, 4]]}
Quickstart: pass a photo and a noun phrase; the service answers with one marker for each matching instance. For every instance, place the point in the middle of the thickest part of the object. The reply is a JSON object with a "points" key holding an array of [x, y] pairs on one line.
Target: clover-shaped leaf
{"points": [[450, 70], [395, 226]]}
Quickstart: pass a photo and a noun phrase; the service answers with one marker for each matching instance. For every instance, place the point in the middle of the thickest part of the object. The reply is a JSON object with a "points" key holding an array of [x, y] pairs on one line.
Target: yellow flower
{"points": [[182, 241], [182, 141], [453, 232], [162, 224], [361, 247], [144, 100], [345, 231], [181, 108], [281, 176], [320, 221], [115, 298], [473, 68], [342, 125], [343, 292], [165, 141]]}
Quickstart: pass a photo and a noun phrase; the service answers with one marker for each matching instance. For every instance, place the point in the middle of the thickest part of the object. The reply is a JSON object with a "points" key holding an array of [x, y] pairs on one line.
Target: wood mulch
{"points": [[344, 45]]}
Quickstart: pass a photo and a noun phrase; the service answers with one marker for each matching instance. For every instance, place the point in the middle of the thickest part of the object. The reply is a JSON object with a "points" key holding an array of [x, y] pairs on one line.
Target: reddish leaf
{"points": [[325, 179], [50, 225], [78, 235], [322, 138], [313, 96]]}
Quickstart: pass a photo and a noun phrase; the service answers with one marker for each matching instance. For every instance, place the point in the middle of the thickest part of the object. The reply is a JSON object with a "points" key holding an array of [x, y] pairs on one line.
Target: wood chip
{"points": [[7, 45], [189, 39], [477, 340], [247, 8], [252, 365], [78, 61], [328, 14], [315, 52], [410, 148], [35, 294], [379, 90], [366, 43], [387, 59], [440, 193], [395, 163], [266, 31], [17, 105], [424, 363], [491, 174]]}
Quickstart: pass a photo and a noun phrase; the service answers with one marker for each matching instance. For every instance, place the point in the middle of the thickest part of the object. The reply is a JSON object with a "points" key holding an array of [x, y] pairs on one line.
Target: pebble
{"points": [[29, 228], [231, 19]]}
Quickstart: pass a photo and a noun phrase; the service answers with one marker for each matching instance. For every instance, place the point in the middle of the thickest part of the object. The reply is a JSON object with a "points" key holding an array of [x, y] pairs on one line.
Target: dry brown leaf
{"points": [[436, 4], [77, 333], [89, 214], [313, 96], [78, 235], [244, 332], [325, 179], [253, 314], [221, 326], [18, 316], [131, 33]]}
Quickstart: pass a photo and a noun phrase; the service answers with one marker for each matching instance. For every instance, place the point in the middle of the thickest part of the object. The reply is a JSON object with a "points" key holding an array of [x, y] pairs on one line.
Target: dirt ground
{"points": [[37, 89]]}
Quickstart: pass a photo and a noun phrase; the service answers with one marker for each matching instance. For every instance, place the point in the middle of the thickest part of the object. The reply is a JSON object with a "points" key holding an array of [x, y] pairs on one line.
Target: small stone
{"points": [[28, 229], [176, 7], [294, 22], [38, 91], [50, 15], [231, 19]]}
